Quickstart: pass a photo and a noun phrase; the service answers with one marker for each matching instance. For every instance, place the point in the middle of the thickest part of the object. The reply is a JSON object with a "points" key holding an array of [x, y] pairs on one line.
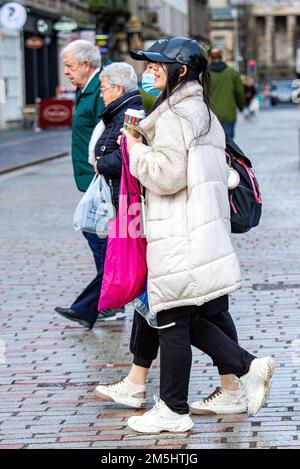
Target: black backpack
{"points": [[245, 199]]}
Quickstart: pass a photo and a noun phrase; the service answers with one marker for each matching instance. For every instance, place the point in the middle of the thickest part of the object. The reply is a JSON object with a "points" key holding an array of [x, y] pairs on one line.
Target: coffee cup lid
{"points": [[135, 113]]}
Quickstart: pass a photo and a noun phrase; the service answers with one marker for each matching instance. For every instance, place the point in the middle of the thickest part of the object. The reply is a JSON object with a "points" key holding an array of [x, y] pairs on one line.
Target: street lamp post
{"points": [[2, 87], [2, 103], [235, 16]]}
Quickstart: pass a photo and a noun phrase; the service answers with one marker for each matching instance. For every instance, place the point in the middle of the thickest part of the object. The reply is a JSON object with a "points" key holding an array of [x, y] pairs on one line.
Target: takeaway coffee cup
{"points": [[132, 120]]}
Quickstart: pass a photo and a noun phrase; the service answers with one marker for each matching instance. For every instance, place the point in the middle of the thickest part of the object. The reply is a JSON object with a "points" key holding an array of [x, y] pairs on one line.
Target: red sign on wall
{"points": [[34, 42], [55, 112]]}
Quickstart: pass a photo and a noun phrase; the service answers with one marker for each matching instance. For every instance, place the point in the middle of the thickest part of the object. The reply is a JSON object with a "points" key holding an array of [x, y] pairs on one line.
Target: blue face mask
{"points": [[148, 84]]}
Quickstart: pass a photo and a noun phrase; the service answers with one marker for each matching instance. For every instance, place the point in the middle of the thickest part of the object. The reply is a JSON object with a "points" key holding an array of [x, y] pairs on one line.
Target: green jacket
{"points": [[88, 106], [227, 92]]}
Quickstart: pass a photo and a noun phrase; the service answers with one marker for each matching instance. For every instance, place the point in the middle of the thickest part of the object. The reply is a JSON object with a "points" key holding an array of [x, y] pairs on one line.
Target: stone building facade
{"points": [[267, 33], [273, 33]]}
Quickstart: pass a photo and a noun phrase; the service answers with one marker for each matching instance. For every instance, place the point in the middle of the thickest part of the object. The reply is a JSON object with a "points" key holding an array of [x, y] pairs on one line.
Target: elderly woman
{"points": [[119, 91]]}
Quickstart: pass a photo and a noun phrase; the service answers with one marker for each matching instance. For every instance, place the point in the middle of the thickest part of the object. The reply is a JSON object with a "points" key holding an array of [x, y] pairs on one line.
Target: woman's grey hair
{"points": [[83, 50], [121, 73]]}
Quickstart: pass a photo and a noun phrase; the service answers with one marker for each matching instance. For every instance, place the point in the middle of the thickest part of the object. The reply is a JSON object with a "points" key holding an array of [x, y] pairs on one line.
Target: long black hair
{"points": [[175, 83]]}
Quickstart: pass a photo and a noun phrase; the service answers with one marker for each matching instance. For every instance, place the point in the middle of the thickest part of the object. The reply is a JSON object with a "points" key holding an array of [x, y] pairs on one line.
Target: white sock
{"points": [[135, 387]]}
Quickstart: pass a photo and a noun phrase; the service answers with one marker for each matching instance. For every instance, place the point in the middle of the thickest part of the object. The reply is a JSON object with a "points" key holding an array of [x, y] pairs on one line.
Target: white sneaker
{"points": [[257, 383], [220, 402], [159, 419], [123, 392]]}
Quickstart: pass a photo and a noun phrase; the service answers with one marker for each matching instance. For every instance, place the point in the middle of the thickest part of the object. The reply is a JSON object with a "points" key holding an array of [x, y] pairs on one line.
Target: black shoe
{"points": [[113, 314], [73, 316]]}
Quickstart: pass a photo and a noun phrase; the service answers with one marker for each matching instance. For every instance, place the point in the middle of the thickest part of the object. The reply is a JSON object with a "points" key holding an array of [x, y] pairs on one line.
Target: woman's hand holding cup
{"points": [[130, 139], [132, 119]]}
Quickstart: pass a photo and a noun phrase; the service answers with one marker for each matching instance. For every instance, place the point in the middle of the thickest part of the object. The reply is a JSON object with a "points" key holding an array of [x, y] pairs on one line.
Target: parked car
{"points": [[283, 91]]}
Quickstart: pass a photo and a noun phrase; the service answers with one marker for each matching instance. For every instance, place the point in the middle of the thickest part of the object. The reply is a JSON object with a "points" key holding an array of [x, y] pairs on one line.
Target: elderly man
{"points": [[82, 63]]}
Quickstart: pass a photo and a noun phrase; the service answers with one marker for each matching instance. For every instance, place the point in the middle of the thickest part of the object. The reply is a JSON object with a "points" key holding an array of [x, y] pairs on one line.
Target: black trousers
{"points": [[144, 341], [176, 355]]}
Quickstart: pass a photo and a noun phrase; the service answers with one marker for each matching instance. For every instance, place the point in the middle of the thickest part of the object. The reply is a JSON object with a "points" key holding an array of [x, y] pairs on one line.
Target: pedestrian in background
{"points": [[227, 91], [119, 91], [82, 62], [250, 93]]}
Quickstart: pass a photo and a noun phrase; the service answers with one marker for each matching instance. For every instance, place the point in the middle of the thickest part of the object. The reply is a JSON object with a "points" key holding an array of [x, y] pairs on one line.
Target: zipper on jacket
{"points": [[111, 190]]}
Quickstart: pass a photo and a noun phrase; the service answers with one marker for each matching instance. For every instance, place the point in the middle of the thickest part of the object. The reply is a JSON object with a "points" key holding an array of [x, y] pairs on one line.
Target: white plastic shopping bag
{"points": [[95, 209], [254, 105]]}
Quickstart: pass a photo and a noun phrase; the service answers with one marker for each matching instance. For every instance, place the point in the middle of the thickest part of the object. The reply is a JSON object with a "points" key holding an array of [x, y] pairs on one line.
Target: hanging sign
{"points": [[65, 26], [43, 26], [12, 16], [102, 41], [34, 42]]}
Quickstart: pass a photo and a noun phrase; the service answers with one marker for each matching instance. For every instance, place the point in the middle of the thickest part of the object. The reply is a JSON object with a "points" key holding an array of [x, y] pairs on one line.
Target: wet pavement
{"points": [[21, 146], [49, 366]]}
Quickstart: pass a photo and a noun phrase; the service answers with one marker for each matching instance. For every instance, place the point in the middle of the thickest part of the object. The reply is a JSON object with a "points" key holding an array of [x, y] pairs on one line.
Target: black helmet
{"points": [[156, 47], [183, 50]]}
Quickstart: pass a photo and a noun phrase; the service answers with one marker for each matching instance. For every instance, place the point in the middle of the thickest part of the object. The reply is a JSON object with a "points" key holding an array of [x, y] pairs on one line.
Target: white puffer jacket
{"points": [[190, 256]]}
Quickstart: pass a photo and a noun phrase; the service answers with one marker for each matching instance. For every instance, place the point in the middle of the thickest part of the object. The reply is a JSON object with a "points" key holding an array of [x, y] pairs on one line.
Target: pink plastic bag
{"points": [[125, 268]]}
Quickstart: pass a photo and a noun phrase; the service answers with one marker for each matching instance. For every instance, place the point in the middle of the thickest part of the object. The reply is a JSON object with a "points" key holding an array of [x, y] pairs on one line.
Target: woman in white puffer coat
{"points": [[191, 260]]}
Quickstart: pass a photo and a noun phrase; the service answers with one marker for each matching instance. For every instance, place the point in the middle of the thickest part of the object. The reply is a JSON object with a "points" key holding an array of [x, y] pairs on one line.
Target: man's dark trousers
{"points": [[96, 246], [229, 129], [87, 302]]}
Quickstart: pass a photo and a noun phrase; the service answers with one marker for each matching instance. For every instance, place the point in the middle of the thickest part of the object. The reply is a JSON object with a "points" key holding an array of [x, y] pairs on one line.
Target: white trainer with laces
{"points": [[123, 392], [220, 402], [257, 383], [160, 419]]}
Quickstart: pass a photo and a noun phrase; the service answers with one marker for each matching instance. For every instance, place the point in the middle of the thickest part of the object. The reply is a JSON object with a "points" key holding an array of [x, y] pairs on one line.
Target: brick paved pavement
{"points": [[52, 366]]}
